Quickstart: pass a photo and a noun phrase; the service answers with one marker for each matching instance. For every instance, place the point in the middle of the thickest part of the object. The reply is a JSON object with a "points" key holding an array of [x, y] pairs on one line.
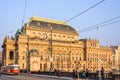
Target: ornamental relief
{"points": [[40, 37], [35, 63]]}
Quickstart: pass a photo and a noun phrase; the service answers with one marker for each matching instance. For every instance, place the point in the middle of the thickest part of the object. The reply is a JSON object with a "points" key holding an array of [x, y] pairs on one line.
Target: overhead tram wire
{"points": [[109, 23], [24, 12], [100, 26], [11, 31], [84, 11], [88, 28]]}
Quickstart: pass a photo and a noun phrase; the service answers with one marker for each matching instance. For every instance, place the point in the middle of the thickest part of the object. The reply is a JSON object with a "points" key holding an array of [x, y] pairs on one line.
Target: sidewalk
{"points": [[53, 77], [50, 76], [62, 77]]}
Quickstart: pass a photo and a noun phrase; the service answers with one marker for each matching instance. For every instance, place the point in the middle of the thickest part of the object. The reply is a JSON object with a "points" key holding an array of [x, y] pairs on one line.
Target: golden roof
{"points": [[47, 20], [44, 23]]}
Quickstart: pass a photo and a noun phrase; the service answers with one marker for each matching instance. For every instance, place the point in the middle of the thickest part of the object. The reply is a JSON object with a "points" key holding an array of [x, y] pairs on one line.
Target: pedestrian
{"points": [[110, 75], [76, 74], [58, 73], [55, 71], [73, 73], [102, 73], [38, 71], [83, 75], [87, 73]]}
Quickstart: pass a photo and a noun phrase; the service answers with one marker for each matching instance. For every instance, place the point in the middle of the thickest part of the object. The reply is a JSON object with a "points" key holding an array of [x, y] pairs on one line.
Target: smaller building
{"points": [[116, 57], [96, 56]]}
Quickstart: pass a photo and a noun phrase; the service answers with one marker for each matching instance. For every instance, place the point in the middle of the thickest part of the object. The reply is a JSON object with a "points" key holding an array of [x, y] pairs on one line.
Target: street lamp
{"points": [[46, 63], [16, 57], [51, 58], [28, 62]]}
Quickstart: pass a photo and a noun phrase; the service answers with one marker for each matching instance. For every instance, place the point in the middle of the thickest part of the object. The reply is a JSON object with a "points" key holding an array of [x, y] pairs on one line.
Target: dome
{"points": [[46, 24]]}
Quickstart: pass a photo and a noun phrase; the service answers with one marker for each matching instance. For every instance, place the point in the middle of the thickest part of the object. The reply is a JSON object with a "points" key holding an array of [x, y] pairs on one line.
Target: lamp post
{"points": [[28, 57], [16, 57], [28, 62], [46, 63], [51, 58]]}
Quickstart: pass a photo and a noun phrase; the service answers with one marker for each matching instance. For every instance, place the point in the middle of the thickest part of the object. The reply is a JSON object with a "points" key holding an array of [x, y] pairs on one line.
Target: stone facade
{"points": [[42, 44], [116, 58]]}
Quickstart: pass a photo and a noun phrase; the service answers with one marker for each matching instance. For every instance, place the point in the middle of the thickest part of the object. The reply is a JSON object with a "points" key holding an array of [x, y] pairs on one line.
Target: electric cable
{"points": [[84, 11], [82, 30], [101, 26]]}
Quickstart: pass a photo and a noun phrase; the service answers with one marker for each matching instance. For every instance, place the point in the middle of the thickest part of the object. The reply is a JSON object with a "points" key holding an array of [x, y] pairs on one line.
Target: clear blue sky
{"points": [[11, 15]]}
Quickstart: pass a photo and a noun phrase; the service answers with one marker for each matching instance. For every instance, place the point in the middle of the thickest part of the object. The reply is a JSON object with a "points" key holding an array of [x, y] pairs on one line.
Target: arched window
{"points": [[11, 55], [34, 52]]}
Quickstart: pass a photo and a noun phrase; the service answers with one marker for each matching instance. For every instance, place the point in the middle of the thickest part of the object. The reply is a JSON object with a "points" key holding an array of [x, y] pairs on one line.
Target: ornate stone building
{"points": [[44, 44], [116, 58]]}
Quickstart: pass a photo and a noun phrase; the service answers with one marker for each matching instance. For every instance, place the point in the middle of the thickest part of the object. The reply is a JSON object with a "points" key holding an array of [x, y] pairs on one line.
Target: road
{"points": [[29, 77]]}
